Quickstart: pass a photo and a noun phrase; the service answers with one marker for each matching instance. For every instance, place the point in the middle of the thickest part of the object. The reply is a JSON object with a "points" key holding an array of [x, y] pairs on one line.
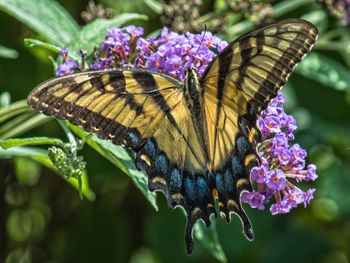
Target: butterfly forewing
{"points": [[127, 107], [237, 86]]}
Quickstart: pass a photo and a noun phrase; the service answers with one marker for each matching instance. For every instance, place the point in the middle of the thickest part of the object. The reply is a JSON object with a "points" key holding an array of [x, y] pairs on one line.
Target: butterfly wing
{"points": [[237, 86], [145, 111]]}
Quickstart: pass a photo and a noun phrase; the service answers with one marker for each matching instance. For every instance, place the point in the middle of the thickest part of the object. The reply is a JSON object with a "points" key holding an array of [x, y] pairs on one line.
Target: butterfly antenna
{"points": [[200, 44]]}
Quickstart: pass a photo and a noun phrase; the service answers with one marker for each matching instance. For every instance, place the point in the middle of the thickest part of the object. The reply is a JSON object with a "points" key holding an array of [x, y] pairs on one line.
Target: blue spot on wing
{"points": [[134, 138], [202, 187], [162, 164], [175, 181], [150, 148], [237, 167], [242, 146], [228, 181], [219, 182], [190, 189]]}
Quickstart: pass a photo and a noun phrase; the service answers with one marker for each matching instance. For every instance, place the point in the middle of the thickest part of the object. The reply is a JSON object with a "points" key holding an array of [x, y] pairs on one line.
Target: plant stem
{"points": [[70, 136]]}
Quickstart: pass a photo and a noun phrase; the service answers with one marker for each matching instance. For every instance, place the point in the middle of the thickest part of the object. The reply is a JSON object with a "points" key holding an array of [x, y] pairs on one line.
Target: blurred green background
{"points": [[42, 217]]}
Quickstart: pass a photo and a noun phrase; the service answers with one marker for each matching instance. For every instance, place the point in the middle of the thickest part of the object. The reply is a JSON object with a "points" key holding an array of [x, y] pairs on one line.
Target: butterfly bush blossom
{"points": [[172, 54]]}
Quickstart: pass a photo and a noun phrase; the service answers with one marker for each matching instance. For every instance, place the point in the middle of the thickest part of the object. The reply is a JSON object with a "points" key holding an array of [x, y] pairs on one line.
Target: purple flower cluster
{"points": [[117, 48], [279, 163], [172, 54]]}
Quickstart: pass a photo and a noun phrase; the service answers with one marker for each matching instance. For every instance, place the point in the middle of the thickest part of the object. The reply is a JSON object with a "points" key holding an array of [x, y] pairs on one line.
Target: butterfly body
{"points": [[196, 140]]}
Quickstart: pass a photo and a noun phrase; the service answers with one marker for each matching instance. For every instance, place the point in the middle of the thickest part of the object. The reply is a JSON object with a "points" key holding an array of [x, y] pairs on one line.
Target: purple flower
{"points": [[155, 62], [294, 197], [172, 65], [254, 199], [282, 162], [134, 30], [277, 180], [67, 67], [311, 173], [308, 196], [63, 52], [280, 208], [259, 174]]}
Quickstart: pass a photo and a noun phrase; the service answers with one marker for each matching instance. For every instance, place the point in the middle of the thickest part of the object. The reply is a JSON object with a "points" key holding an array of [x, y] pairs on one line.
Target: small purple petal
{"points": [[280, 208], [311, 173], [67, 67], [254, 199], [259, 174], [277, 180], [308, 196], [63, 52]]}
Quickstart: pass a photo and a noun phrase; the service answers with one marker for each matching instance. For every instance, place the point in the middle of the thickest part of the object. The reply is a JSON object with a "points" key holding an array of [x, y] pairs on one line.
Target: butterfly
{"points": [[196, 140]]}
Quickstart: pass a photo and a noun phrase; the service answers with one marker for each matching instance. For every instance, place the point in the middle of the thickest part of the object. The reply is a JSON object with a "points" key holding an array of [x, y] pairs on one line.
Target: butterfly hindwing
{"points": [[237, 86]]}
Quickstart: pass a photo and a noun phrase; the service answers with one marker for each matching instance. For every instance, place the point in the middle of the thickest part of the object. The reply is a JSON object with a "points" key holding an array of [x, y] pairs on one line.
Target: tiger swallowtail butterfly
{"points": [[196, 139]]}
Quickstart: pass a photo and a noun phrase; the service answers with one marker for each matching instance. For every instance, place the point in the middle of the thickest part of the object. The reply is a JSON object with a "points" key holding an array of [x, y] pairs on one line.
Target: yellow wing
{"points": [[147, 112], [244, 77], [237, 86], [127, 107]]}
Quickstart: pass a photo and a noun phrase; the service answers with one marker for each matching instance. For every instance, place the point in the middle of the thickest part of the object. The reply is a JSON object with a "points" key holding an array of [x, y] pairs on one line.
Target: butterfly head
{"points": [[192, 86]]}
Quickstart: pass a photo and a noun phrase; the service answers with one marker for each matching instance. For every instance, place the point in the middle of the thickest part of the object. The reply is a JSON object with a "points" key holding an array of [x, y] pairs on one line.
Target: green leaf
{"points": [[31, 42], [318, 17], [9, 143], [14, 109], [325, 70], [46, 17], [121, 158], [7, 52], [156, 6], [28, 124], [41, 156], [94, 33], [208, 238]]}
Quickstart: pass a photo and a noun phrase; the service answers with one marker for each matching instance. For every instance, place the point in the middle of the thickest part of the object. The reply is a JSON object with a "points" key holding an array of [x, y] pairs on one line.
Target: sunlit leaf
{"points": [[7, 52], [31, 42], [46, 17], [325, 70], [9, 143]]}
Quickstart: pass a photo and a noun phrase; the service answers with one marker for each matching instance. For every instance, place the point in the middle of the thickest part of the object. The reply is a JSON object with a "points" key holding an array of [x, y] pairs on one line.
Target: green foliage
{"points": [[325, 70], [121, 158], [320, 95], [46, 17], [7, 52], [94, 33]]}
